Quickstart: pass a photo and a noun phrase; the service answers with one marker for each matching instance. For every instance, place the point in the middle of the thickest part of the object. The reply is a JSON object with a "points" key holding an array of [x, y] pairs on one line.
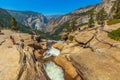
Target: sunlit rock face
{"points": [[53, 71], [32, 19]]}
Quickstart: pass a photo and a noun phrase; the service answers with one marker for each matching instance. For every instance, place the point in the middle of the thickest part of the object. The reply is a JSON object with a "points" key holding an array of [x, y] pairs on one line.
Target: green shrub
{"points": [[115, 34], [71, 38], [91, 20], [113, 21], [117, 16], [14, 24]]}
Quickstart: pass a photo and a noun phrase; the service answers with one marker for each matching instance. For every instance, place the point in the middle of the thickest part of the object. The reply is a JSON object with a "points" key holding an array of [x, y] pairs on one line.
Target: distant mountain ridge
{"points": [[81, 15], [51, 24], [29, 19], [53, 16], [5, 21], [32, 19]]}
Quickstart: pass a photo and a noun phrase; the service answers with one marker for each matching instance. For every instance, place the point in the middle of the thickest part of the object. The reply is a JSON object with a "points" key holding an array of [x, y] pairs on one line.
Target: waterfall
{"points": [[51, 52], [53, 71]]}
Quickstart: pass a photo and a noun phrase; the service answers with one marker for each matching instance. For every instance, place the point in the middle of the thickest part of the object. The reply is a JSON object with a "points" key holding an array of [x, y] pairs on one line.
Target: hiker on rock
{"points": [[32, 37], [79, 29], [102, 25], [12, 39], [38, 38], [22, 43]]}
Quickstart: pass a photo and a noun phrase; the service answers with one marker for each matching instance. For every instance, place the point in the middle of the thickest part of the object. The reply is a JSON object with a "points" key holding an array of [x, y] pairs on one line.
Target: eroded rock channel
{"points": [[42, 64]]}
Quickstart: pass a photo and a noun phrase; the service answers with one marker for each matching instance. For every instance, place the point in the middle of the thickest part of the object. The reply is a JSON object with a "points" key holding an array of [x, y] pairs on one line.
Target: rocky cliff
{"points": [[32, 19], [81, 15]]}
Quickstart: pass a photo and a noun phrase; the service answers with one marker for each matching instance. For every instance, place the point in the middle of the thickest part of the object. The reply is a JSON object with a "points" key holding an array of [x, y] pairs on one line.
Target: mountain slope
{"points": [[49, 17], [28, 18], [5, 18], [81, 16], [5, 21]]}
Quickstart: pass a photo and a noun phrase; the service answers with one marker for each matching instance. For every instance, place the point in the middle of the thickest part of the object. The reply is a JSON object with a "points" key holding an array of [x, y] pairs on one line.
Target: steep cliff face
{"points": [[81, 15], [107, 5], [54, 23], [33, 19], [5, 21]]}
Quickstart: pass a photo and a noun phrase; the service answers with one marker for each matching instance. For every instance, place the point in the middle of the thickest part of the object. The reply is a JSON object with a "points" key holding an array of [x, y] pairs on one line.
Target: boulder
{"points": [[59, 45], [84, 37]]}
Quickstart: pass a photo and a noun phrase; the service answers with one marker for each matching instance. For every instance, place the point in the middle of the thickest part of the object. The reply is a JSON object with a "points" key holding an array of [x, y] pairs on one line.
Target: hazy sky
{"points": [[47, 7]]}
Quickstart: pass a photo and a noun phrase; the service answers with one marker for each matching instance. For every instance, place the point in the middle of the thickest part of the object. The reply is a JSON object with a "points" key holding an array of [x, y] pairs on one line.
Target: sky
{"points": [[47, 7]]}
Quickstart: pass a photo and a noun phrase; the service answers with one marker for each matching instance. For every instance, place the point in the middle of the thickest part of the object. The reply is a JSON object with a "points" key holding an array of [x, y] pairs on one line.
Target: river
{"points": [[53, 71]]}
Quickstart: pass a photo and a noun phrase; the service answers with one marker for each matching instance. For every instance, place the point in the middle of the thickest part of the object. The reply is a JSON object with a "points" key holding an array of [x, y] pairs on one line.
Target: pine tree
{"points": [[14, 24], [91, 20], [116, 10], [101, 16]]}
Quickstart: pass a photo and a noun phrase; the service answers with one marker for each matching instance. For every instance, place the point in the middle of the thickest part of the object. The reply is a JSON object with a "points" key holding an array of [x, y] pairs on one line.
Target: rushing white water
{"points": [[55, 41], [53, 71], [51, 52]]}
